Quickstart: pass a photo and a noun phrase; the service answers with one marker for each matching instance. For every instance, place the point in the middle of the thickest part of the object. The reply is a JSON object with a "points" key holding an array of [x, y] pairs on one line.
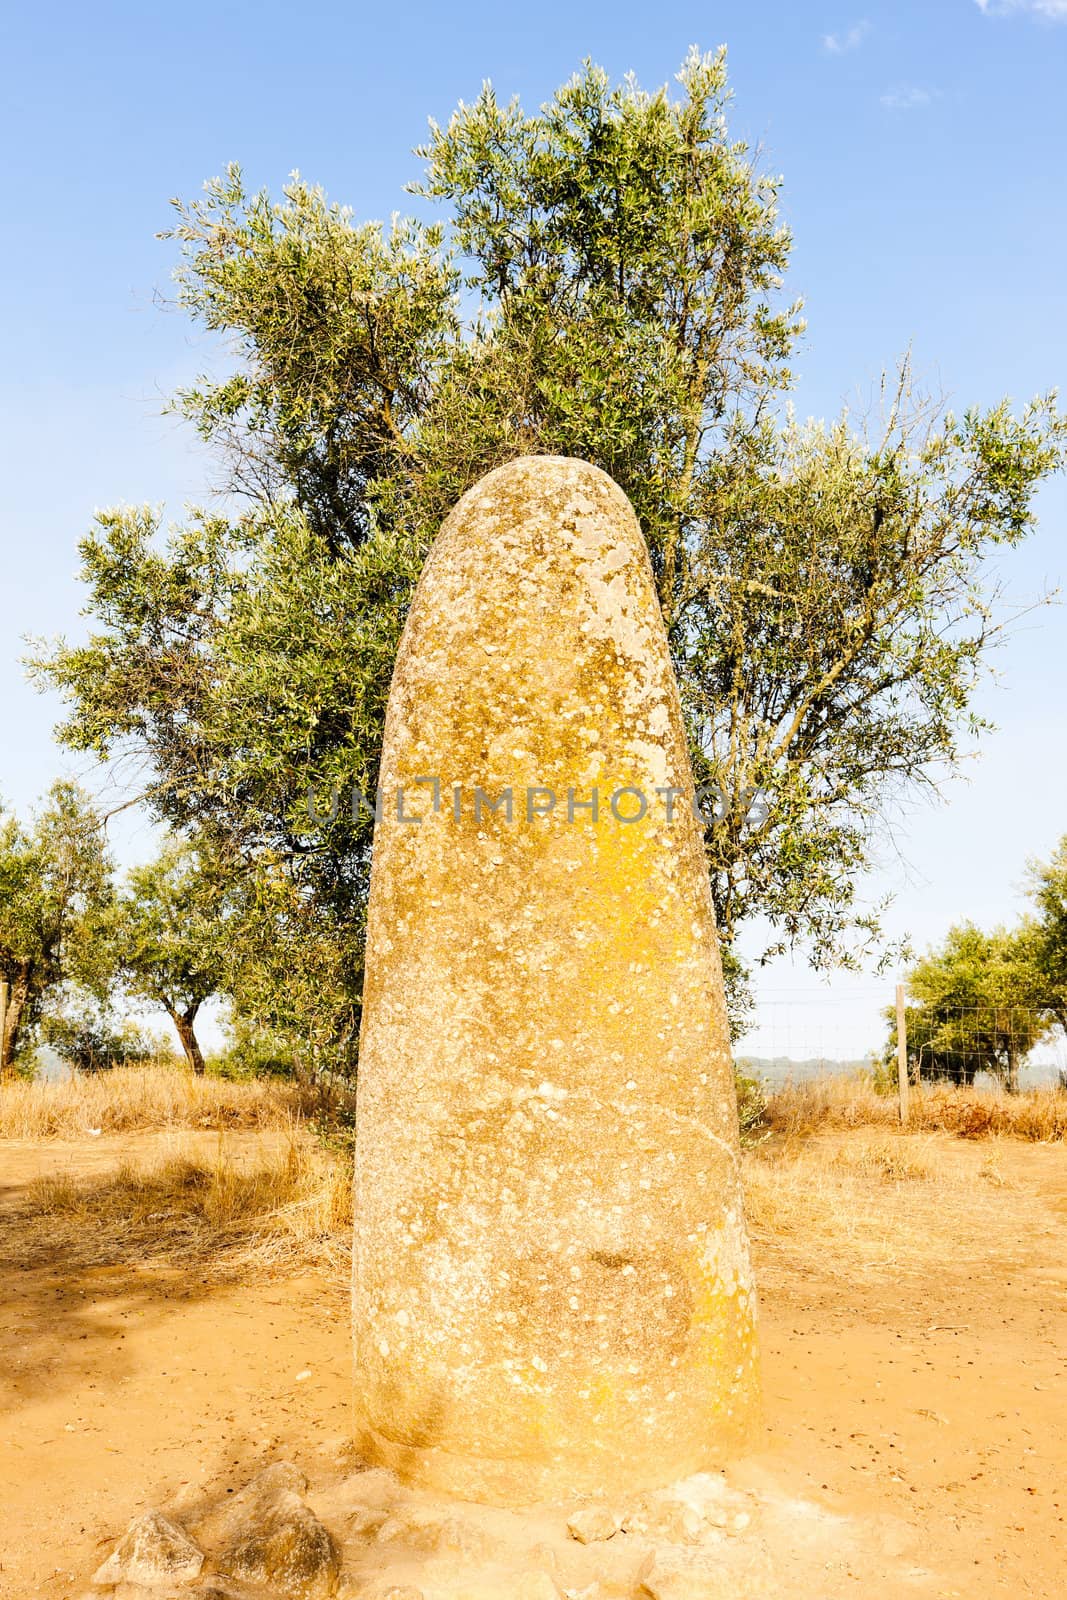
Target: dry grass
{"points": [[858, 1201], [837, 1190], [835, 1208], [282, 1201], [798, 1110], [264, 1190], [829, 1206], [840, 1188], [833, 1204], [132, 1098], [888, 1158]]}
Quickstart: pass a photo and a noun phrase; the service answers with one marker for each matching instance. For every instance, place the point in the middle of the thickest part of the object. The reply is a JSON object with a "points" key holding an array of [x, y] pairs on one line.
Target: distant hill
{"points": [[776, 1070], [783, 1069]]}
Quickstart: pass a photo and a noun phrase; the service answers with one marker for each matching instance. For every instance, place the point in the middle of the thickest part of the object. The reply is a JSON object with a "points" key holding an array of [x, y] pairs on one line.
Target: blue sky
{"points": [[922, 147]]}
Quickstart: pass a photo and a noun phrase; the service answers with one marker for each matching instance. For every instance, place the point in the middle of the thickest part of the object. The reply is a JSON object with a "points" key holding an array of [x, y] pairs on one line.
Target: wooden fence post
{"points": [[902, 1055]]}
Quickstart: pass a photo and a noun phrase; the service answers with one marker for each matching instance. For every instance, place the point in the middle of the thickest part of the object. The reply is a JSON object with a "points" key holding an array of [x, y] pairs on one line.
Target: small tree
{"points": [[88, 1035], [55, 890], [976, 1007], [170, 936], [1048, 932]]}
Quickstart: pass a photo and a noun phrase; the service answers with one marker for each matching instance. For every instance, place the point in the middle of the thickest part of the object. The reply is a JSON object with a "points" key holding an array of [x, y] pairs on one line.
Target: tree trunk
{"points": [[183, 1021], [1012, 1084], [18, 994]]}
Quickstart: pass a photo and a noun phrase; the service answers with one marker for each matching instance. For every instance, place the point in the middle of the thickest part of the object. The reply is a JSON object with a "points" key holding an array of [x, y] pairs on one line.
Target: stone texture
{"points": [[390, 1591], [435, 1533], [667, 1519], [141, 1591], [267, 1535], [373, 1486], [233, 1515], [153, 1550], [154, 1591], [209, 1589], [668, 1577], [698, 1575], [365, 1521], [552, 1294], [591, 1524], [696, 1511], [286, 1548]]}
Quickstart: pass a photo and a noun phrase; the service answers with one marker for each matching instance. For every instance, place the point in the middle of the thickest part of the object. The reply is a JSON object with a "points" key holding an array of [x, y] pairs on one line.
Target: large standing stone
{"points": [[552, 1293]]}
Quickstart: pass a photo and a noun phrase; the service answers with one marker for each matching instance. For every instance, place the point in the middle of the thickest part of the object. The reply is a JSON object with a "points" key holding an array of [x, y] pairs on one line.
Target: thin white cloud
{"points": [[839, 44], [908, 97], [1050, 10]]}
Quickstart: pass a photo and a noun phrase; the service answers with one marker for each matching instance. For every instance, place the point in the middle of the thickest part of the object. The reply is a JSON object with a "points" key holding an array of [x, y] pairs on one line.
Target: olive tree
{"points": [[605, 282], [172, 930], [55, 892]]}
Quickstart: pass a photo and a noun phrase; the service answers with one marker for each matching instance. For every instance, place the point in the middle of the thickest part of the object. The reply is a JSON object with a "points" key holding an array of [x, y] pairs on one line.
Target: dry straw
{"points": [[131, 1098], [276, 1200], [836, 1189], [805, 1108]]}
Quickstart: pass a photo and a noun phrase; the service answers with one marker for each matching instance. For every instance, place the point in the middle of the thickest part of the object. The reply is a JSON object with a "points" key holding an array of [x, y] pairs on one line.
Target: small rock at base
{"points": [[697, 1511], [392, 1591], [536, 1586], [279, 1475], [233, 1515], [153, 1551], [210, 1590], [676, 1522], [593, 1524], [376, 1486], [285, 1547], [677, 1577], [434, 1533], [364, 1521]]}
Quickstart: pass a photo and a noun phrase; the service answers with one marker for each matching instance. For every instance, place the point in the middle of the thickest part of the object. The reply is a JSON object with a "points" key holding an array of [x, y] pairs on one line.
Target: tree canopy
{"points": [[173, 930], [55, 892], [1046, 932], [976, 1007], [981, 1001], [606, 282]]}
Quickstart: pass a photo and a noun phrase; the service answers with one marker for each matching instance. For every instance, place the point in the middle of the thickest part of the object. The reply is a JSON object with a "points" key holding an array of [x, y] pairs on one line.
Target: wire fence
{"points": [[799, 1036]]}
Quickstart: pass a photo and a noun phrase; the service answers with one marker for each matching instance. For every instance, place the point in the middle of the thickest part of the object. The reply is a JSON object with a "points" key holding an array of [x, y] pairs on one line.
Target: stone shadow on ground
{"points": [[75, 1277]]}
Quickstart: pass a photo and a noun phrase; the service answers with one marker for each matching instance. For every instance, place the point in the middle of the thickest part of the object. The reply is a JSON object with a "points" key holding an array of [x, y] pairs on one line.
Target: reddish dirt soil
{"points": [[924, 1419]]}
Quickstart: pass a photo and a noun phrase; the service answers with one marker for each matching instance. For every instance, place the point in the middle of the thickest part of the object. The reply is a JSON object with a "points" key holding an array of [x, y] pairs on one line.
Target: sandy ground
{"points": [[917, 1419]]}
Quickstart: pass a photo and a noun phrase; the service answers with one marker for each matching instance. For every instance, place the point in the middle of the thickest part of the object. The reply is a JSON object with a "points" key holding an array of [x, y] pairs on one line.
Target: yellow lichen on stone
{"points": [[552, 1293]]}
